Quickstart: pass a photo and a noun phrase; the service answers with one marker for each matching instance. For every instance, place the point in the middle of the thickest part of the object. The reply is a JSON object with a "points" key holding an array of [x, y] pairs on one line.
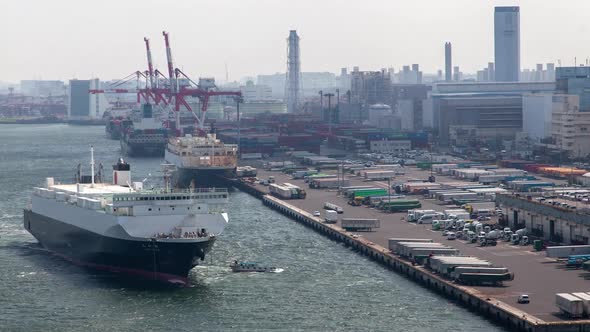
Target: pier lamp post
{"points": [[329, 95], [238, 101]]}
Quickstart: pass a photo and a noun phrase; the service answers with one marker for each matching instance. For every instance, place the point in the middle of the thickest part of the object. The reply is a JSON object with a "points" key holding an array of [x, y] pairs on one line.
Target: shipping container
{"points": [[332, 206], [331, 217], [569, 305], [392, 242], [360, 224], [566, 251]]}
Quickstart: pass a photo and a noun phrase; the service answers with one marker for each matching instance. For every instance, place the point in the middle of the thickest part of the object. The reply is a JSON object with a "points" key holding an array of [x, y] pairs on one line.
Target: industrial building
{"points": [[546, 220], [42, 88], [570, 127]]}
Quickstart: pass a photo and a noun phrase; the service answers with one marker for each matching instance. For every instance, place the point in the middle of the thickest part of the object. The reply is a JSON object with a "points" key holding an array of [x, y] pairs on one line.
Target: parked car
{"points": [[523, 299], [316, 213]]}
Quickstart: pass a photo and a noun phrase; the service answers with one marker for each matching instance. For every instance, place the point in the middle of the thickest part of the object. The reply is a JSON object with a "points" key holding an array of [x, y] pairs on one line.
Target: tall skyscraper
{"points": [[507, 43], [293, 84], [448, 63]]}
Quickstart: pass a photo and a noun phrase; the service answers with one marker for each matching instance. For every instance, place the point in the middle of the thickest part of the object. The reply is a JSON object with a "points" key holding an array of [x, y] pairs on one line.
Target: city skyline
{"points": [[208, 36]]}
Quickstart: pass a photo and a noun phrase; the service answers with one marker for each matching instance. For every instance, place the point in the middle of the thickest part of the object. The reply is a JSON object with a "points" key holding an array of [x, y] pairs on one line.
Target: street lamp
{"points": [[329, 95]]}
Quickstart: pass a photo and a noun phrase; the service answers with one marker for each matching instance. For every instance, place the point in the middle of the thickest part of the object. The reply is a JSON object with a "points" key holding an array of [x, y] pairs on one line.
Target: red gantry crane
{"points": [[174, 94]]}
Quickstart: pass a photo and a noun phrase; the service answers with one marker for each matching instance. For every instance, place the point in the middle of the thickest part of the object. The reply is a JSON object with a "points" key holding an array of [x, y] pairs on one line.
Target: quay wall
{"points": [[491, 308], [471, 298]]}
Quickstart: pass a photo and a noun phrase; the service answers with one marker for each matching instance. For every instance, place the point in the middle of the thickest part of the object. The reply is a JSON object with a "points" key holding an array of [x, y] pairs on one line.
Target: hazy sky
{"points": [[63, 39]]}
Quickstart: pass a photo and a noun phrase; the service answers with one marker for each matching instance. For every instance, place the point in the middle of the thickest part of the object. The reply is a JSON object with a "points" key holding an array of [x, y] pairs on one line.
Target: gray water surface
{"points": [[324, 286]]}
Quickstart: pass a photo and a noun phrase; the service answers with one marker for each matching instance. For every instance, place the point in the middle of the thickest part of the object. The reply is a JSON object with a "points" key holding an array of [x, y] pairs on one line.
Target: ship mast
{"points": [[92, 166]]}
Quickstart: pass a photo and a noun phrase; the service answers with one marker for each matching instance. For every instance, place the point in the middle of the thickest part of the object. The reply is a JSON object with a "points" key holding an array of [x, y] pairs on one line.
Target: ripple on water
{"points": [[324, 286]]}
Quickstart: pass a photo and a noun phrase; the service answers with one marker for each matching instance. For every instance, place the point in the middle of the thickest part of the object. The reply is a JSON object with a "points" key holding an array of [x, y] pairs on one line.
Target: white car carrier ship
{"points": [[120, 227]]}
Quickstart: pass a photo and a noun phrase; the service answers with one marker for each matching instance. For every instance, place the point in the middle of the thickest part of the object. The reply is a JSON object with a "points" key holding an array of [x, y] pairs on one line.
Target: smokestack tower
{"points": [[293, 84], [448, 63]]}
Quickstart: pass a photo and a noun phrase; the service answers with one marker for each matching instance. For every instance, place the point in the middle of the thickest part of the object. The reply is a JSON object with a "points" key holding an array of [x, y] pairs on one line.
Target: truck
{"points": [[458, 214], [585, 297], [566, 251], [332, 206], [308, 178], [360, 224], [474, 207], [399, 205], [577, 260], [350, 192], [485, 270], [483, 278], [296, 191], [369, 192], [414, 215], [331, 217], [301, 174], [286, 191], [392, 242], [569, 305], [378, 175], [328, 183]]}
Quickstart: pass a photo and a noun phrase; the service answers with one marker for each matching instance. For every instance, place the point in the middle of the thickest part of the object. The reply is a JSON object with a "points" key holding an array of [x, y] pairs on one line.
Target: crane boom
{"points": [[171, 74], [150, 63]]}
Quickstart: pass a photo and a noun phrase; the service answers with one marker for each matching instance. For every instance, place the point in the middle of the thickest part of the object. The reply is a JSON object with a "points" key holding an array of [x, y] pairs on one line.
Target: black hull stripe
{"points": [[153, 259]]}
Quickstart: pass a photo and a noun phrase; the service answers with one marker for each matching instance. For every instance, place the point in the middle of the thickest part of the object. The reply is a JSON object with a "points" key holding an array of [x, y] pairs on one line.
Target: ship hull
{"points": [[202, 178], [113, 131], [151, 259], [144, 149]]}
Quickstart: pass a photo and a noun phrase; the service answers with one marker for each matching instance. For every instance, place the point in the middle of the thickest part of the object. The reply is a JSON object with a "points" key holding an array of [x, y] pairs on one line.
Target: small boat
{"points": [[250, 267]]}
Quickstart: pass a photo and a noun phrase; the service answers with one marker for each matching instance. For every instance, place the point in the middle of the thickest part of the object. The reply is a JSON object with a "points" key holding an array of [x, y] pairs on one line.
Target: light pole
{"points": [[238, 101], [329, 95]]}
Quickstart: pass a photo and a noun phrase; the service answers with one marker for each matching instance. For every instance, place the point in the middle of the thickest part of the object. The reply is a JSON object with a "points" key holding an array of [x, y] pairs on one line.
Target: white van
{"points": [[428, 218]]}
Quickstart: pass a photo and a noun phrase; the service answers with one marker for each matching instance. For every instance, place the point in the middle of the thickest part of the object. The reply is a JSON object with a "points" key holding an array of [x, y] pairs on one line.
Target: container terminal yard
{"points": [[528, 269]]}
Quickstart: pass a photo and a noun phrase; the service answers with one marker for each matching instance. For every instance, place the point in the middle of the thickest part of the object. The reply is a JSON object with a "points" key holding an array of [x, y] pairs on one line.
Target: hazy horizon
{"points": [[66, 39]]}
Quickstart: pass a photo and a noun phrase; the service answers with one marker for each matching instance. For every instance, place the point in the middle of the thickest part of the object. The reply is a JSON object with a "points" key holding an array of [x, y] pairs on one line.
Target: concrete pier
{"points": [[471, 297]]}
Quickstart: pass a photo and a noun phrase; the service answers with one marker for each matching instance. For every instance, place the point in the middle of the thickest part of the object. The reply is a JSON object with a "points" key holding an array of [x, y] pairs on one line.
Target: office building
{"points": [[507, 43], [84, 105], [448, 62], [575, 81], [537, 109]]}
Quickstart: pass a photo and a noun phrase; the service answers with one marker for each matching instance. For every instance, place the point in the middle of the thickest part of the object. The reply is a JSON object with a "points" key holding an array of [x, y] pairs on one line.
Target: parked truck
{"points": [[414, 215], [331, 217], [392, 242], [296, 191], [569, 305], [301, 174], [332, 206], [566, 251], [328, 183], [484, 278], [360, 224], [399, 205], [474, 207], [286, 191], [378, 175], [585, 297]]}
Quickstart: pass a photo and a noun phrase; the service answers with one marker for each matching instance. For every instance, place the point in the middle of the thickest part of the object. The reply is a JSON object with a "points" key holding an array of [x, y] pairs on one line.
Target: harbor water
{"points": [[323, 285]]}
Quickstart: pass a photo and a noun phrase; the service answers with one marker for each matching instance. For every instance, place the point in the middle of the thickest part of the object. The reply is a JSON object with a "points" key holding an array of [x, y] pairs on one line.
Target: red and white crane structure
{"points": [[174, 94]]}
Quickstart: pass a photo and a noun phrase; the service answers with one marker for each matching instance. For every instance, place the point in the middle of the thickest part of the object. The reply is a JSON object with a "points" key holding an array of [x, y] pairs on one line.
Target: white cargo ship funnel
{"points": [[121, 173]]}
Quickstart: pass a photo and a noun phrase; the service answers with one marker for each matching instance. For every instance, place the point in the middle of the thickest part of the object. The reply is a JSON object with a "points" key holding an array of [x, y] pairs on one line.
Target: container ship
{"points": [[146, 137], [117, 120], [120, 227], [201, 161]]}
